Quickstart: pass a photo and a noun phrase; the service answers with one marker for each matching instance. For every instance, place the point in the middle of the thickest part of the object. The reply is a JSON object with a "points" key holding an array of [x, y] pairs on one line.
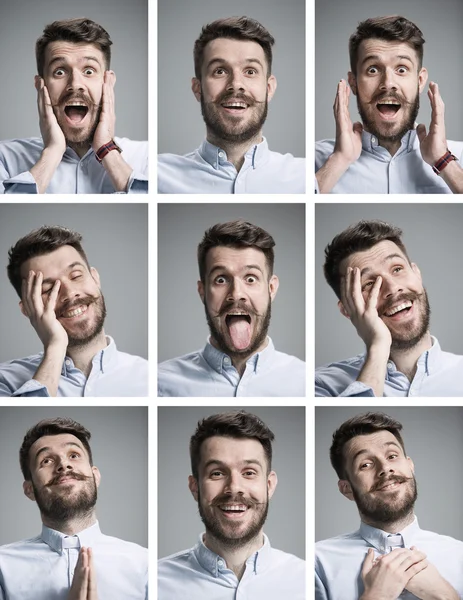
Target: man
{"points": [[385, 153], [60, 294], [237, 287], [232, 481], [234, 83], [382, 293], [78, 153], [71, 559], [389, 557]]}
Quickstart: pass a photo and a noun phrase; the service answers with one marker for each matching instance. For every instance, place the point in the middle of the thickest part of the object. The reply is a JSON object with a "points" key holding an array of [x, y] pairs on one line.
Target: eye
{"points": [[372, 70], [59, 72], [367, 285], [249, 473], [220, 280], [74, 455], [47, 461], [216, 474], [364, 465], [76, 276], [251, 72], [392, 456], [397, 269], [251, 279], [47, 292], [402, 70], [219, 71], [89, 71]]}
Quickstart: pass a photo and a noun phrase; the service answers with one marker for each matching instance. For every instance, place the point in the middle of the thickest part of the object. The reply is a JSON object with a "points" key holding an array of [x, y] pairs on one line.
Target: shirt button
{"points": [[221, 155], [226, 360], [373, 139], [68, 362], [220, 563]]}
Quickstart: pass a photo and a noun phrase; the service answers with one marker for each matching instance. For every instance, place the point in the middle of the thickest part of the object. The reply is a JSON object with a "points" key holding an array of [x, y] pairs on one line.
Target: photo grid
{"points": [[189, 378]]}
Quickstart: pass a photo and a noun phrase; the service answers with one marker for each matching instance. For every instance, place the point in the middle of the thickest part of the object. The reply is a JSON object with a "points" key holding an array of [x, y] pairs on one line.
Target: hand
{"points": [[433, 145], [52, 134], [42, 314], [348, 137], [428, 584], [363, 313], [105, 130], [386, 577], [84, 583]]}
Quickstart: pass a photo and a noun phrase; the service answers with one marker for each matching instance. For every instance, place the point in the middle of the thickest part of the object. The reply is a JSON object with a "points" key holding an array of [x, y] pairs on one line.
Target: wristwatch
{"points": [[106, 149]]}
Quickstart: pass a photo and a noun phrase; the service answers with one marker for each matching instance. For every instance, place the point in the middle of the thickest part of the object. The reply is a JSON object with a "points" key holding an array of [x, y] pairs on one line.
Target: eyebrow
{"points": [[219, 463], [366, 270], [224, 61], [365, 451], [64, 60], [379, 59], [48, 449], [71, 266], [224, 268]]}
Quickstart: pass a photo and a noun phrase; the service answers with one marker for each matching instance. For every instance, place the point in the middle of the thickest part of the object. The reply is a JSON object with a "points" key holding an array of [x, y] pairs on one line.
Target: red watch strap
{"points": [[443, 162], [106, 149]]}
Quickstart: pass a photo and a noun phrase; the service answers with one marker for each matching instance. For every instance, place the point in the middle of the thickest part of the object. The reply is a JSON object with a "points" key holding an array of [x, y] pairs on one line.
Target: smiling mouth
{"points": [[77, 311], [389, 487], [239, 328], [400, 310], [233, 510], [76, 112]]}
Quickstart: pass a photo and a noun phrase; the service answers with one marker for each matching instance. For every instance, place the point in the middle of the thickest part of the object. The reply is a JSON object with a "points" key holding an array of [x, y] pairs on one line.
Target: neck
{"points": [[71, 526], [235, 557], [391, 146], [235, 150], [80, 149], [392, 526], [406, 360], [239, 359], [82, 356]]}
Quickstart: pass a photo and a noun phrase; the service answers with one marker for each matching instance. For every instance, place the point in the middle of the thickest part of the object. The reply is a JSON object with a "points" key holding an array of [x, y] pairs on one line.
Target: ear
{"points": [[411, 463], [271, 86], [422, 78], [193, 487], [352, 82], [28, 490], [342, 310], [273, 286], [345, 488], [201, 290], [272, 481], [22, 309], [196, 88], [95, 275], [416, 270], [37, 82], [97, 474]]}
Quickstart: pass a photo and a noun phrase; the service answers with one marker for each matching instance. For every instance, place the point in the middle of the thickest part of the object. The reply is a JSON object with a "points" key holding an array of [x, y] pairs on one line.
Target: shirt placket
{"points": [[72, 556]]}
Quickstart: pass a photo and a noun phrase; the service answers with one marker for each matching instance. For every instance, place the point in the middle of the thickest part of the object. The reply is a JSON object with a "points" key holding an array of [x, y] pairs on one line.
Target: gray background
{"points": [[181, 128], [432, 236], [22, 23], [182, 323], [119, 446], [433, 440], [179, 524], [440, 22], [115, 240]]}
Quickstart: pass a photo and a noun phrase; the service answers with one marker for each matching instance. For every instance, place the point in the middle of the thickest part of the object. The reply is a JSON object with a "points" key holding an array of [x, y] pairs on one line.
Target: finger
{"points": [[421, 132], [348, 295], [373, 298], [36, 294], [91, 575], [437, 106], [26, 289], [53, 297], [47, 101], [368, 562], [357, 296]]}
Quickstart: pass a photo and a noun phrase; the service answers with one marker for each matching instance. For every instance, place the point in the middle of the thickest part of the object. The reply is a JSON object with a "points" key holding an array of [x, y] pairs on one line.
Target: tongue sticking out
{"points": [[76, 113], [240, 332]]}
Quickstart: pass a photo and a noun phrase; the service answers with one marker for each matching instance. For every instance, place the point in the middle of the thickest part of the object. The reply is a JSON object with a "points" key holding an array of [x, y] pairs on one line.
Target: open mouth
{"points": [[388, 108], [76, 112], [75, 312], [239, 328], [399, 311], [235, 106], [233, 511]]}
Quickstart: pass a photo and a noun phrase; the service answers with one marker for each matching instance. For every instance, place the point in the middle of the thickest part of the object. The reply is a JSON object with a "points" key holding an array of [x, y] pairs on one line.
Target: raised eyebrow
{"points": [[68, 268], [367, 270], [62, 59], [376, 57], [224, 61], [365, 451], [245, 268]]}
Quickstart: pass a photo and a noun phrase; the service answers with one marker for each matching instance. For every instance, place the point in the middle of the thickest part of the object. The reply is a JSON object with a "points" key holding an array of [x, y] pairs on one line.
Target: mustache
{"points": [[392, 479], [235, 499], [389, 96], [237, 96], [84, 301], [70, 96], [71, 475], [242, 306], [389, 303]]}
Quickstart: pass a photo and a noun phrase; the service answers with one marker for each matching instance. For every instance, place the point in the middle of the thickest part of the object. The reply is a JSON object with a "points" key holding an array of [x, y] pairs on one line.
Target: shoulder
{"points": [[131, 360], [22, 144], [287, 361], [116, 546], [19, 549], [450, 543], [175, 562], [131, 147], [187, 361], [341, 371], [21, 365], [287, 560]]}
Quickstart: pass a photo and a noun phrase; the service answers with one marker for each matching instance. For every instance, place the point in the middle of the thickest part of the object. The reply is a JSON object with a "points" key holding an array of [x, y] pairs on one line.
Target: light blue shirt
{"points": [[42, 568], [113, 374], [200, 574], [377, 172], [209, 372], [207, 171], [73, 175], [438, 373], [339, 560]]}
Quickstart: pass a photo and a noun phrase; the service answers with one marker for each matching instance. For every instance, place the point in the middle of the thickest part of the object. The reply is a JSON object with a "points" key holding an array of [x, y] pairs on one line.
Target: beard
{"points": [[231, 537], [232, 128], [66, 505], [262, 323], [78, 138], [385, 131], [410, 334], [83, 333], [380, 511]]}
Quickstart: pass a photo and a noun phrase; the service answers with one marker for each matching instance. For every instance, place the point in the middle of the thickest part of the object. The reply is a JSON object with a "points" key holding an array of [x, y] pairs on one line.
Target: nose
{"points": [[385, 468], [236, 291], [67, 292], [388, 80], [390, 287], [233, 484], [235, 81], [63, 464], [75, 81]]}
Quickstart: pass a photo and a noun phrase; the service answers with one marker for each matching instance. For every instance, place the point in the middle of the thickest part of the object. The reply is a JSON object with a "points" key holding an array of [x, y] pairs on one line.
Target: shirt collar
{"points": [[59, 541], [430, 361], [379, 539], [217, 157], [219, 361], [100, 361], [214, 564], [370, 141]]}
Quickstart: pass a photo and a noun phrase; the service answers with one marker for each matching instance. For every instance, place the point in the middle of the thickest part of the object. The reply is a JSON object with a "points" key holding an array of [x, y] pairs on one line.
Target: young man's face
{"points": [[387, 86], [233, 489], [80, 305], [379, 477], [237, 294], [74, 75], [234, 89], [402, 301], [63, 483]]}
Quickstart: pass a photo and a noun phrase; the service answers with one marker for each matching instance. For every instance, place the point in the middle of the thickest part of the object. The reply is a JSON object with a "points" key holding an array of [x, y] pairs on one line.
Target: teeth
{"points": [[394, 102], [74, 313], [234, 508], [237, 314], [76, 103], [235, 105], [399, 308]]}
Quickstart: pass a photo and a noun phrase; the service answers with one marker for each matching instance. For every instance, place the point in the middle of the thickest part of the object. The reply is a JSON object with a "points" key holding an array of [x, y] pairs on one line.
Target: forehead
{"points": [[235, 259], [374, 257], [52, 263], [73, 52], [233, 51], [386, 51], [231, 451], [55, 443], [376, 442]]}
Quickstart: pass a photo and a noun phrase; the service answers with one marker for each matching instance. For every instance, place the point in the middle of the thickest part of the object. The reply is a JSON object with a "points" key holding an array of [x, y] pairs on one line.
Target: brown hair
{"points": [[51, 427], [356, 238], [235, 234], [80, 30], [392, 28], [360, 425], [236, 28], [235, 424], [38, 242]]}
